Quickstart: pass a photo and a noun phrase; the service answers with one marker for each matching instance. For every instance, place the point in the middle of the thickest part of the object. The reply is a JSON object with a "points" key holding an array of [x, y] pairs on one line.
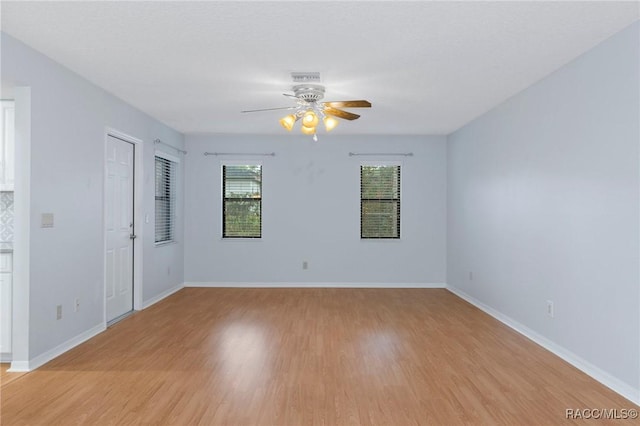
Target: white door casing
{"points": [[7, 145], [119, 224], [6, 305]]}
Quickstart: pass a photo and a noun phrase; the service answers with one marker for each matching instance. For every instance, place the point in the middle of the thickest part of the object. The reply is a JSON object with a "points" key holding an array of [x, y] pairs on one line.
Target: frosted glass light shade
{"points": [[308, 130], [288, 121], [310, 119], [330, 123]]}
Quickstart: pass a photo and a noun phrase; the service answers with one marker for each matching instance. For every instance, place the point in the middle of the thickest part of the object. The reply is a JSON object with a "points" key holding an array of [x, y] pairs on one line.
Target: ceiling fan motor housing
{"points": [[309, 92]]}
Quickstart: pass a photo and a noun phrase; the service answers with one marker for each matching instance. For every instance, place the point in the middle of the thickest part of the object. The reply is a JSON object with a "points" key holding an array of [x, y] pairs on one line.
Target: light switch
{"points": [[146, 218], [47, 220]]}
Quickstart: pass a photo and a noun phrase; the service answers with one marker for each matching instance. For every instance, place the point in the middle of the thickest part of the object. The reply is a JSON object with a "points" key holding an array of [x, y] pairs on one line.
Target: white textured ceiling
{"points": [[427, 67]]}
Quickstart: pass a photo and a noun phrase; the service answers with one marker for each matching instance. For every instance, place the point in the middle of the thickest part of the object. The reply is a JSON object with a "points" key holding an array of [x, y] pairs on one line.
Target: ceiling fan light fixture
{"points": [[330, 123], [310, 111], [288, 121]]}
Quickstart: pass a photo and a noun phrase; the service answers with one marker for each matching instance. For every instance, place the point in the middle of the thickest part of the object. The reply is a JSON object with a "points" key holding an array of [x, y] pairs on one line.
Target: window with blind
{"points": [[165, 199], [242, 201], [379, 202]]}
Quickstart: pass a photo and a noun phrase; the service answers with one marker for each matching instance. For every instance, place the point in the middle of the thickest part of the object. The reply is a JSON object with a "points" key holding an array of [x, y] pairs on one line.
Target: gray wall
{"points": [[68, 120], [543, 205], [311, 211]]}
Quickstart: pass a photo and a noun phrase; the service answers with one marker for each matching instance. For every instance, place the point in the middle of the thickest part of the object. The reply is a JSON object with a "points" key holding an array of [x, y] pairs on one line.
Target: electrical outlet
{"points": [[550, 308], [470, 276], [76, 306], [305, 265], [168, 270], [59, 312]]}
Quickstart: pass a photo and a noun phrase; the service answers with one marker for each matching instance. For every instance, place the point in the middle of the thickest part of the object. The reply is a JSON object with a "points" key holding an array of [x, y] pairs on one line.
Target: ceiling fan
{"points": [[310, 110]]}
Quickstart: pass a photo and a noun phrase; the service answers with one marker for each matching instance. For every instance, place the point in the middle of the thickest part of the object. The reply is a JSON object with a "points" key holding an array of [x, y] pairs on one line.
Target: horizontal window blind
{"points": [[242, 201], [165, 199], [379, 202]]}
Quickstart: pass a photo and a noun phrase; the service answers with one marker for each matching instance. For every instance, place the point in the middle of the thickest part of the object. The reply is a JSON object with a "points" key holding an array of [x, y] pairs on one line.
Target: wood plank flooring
{"points": [[6, 377], [305, 357]]}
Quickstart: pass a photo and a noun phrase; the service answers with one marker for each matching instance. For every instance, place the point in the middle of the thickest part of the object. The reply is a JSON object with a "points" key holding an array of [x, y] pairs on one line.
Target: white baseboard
{"points": [[19, 367], [24, 366], [42, 359], [310, 285], [161, 296], [597, 373]]}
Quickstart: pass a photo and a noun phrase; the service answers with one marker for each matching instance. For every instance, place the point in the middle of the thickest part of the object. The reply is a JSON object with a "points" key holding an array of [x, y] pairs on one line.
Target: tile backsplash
{"points": [[6, 216]]}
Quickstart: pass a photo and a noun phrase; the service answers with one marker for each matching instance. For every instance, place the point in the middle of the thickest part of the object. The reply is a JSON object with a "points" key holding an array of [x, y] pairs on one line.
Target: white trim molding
{"points": [[22, 235], [586, 367], [163, 295], [310, 285], [19, 367], [42, 359]]}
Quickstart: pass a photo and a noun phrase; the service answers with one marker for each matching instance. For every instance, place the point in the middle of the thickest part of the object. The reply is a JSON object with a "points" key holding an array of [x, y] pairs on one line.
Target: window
{"points": [[166, 170], [242, 201], [379, 202]]}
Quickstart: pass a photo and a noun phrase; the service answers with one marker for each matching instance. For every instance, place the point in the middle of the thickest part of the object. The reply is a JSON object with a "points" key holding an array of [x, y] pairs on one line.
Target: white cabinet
{"points": [[6, 290], [7, 145]]}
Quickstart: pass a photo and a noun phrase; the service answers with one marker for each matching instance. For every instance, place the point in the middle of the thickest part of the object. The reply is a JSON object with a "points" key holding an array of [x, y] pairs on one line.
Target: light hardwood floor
{"points": [[305, 356], [6, 377]]}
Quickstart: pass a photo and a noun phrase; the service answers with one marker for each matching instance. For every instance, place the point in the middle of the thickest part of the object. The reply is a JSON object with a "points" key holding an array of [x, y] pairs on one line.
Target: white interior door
{"points": [[119, 227]]}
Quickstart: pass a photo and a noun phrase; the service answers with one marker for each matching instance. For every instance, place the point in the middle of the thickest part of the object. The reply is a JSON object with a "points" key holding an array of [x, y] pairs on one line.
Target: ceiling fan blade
{"points": [[340, 113], [268, 109], [290, 95], [348, 104]]}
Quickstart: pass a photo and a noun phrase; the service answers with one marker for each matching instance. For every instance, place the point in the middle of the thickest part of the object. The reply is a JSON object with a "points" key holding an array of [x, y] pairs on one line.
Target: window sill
{"points": [[166, 243]]}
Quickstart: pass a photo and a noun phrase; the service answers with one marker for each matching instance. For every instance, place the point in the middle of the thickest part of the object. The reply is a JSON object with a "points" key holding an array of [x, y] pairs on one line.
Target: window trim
{"points": [[248, 162], [176, 160], [400, 219]]}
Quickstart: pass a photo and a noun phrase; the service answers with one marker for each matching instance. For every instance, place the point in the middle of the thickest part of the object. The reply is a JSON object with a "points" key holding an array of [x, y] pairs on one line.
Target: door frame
{"points": [[138, 217], [22, 231]]}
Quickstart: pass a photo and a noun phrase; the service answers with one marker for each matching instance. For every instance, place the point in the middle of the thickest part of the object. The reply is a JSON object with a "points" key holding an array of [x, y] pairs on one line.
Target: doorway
{"points": [[119, 227], [7, 175]]}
